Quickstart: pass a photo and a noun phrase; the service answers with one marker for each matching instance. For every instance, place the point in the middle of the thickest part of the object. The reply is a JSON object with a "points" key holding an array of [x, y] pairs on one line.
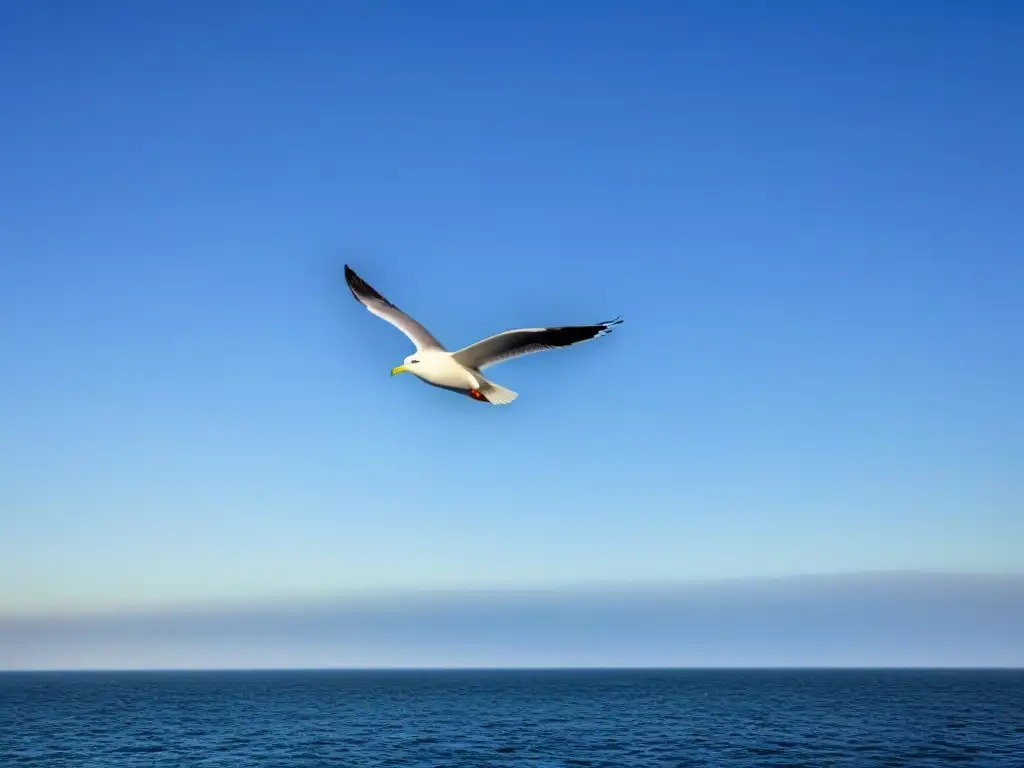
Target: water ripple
{"points": [[617, 719]]}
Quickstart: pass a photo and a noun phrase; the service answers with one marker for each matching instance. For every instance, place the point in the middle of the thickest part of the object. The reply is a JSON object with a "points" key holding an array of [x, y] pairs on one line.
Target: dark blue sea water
{"points": [[616, 719]]}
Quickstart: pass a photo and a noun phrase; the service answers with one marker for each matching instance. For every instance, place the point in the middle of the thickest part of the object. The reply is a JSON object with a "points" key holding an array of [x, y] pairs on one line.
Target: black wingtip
{"points": [[355, 283], [361, 289]]}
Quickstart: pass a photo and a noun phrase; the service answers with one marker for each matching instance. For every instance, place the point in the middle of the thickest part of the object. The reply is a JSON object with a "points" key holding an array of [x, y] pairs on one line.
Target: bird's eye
{"points": [[414, 361]]}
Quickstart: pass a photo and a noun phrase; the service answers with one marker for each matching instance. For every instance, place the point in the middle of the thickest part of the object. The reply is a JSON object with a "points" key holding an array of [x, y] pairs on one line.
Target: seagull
{"points": [[460, 371]]}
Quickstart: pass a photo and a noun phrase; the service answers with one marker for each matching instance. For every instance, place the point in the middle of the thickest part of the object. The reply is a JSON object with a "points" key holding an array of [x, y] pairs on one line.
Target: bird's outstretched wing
{"points": [[385, 310], [523, 341]]}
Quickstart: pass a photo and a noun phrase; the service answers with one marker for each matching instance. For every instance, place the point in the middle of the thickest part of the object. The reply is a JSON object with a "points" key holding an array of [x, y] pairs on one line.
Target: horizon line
{"points": [[528, 668]]}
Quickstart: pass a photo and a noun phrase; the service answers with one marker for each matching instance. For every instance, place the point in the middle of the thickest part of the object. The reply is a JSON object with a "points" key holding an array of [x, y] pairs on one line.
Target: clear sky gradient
{"points": [[808, 214]]}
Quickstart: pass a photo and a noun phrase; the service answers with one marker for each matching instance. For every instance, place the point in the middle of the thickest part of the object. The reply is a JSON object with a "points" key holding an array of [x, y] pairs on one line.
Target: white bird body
{"points": [[439, 368], [459, 371]]}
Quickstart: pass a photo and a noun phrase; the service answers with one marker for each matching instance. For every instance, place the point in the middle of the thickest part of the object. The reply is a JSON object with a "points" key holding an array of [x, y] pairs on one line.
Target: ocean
{"points": [[613, 719]]}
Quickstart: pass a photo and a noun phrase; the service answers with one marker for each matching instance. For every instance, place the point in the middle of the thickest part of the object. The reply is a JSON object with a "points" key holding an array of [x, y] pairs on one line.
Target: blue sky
{"points": [[808, 215]]}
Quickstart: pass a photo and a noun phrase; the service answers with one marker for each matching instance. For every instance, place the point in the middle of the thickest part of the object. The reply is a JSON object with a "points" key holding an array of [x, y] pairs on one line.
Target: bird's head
{"points": [[408, 365]]}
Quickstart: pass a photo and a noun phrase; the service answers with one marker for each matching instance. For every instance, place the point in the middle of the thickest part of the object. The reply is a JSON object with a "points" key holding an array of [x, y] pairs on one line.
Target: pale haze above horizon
{"points": [[867, 620], [808, 216]]}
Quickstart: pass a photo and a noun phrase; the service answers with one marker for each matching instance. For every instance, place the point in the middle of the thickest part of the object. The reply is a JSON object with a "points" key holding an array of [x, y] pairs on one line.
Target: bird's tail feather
{"points": [[497, 394]]}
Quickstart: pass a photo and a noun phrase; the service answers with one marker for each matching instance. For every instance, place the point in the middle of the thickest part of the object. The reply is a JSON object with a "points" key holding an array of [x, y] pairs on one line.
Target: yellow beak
{"points": [[399, 369]]}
